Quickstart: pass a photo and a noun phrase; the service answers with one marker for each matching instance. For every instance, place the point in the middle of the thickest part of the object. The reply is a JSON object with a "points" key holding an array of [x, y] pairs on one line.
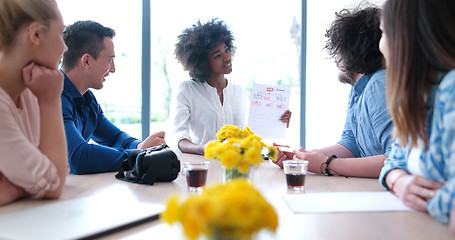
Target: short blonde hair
{"points": [[15, 14]]}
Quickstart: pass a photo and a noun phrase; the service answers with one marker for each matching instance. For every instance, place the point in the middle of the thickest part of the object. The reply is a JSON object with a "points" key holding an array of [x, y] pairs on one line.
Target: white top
{"points": [[21, 162], [198, 114], [413, 161]]}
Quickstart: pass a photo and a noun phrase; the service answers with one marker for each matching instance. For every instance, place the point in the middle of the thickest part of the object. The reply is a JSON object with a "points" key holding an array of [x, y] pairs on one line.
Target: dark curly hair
{"points": [[354, 37], [83, 37], [195, 43]]}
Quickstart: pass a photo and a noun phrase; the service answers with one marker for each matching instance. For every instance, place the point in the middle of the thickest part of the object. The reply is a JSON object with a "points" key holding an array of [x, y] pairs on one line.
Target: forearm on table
{"points": [[186, 146], [337, 149], [9, 192], [368, 167], [89, 158], [53, 141]]}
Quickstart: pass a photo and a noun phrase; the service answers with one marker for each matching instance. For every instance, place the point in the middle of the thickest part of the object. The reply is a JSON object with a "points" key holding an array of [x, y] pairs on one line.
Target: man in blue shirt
{"points": [[87, 62], [353, 42]]}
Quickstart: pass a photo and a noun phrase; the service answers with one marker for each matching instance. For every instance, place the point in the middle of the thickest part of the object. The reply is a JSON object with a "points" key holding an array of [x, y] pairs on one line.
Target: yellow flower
{"points": [[273, 153], [170, 214], [238, 148], [235, 210], [252, 156], [271, 218], [210, 150], [229, 159], [243, 167]]}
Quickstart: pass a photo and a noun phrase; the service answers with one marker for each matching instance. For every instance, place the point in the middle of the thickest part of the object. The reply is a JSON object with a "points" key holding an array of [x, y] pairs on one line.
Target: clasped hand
{"points": [[314, 157], [45, 83], [152, 140], [415, 191]]}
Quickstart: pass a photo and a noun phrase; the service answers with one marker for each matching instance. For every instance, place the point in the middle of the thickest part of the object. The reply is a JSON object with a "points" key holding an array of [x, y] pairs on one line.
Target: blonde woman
{"points": [[33, 159]]}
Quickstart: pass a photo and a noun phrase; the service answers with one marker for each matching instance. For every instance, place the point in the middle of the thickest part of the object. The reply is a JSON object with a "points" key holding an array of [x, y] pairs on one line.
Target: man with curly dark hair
{"points": [[208, 101], [353, 42]]}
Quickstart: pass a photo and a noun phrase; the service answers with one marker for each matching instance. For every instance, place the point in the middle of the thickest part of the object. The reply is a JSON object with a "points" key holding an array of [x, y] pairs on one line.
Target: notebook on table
{"points": [[76, 218]]}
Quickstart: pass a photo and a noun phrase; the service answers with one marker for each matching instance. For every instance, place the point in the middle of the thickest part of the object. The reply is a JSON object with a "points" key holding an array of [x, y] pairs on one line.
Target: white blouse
{"points": [[197, 113]]}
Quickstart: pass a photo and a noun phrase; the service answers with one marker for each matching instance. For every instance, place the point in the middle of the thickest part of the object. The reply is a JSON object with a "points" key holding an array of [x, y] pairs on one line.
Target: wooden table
{"points": [[270, 180]]}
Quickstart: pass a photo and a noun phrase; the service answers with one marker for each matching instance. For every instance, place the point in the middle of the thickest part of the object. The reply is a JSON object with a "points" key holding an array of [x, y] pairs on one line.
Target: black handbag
{"points": [[156, 164]]}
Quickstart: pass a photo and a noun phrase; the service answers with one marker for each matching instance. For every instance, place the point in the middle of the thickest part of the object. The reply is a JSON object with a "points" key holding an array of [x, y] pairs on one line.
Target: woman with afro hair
{"points": [[208, 101]]}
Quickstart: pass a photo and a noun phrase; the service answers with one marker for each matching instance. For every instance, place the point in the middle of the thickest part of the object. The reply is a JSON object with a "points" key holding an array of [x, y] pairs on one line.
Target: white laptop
{"points": [[76, 218]]}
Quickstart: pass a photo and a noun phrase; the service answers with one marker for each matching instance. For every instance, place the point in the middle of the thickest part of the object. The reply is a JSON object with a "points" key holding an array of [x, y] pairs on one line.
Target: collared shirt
{"points": [[84, 120], [21, 162], [437, 161], [368, 126], [198, 113]]}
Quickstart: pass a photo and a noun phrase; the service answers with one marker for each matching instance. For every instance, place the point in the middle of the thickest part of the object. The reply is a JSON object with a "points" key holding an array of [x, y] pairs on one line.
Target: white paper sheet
{"points": [[75, 218], [344, 202], [268, 103]]}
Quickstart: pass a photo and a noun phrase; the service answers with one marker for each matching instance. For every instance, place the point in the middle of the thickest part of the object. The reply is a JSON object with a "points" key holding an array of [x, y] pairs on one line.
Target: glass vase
{"points": [[232, 236], [234, 173]]}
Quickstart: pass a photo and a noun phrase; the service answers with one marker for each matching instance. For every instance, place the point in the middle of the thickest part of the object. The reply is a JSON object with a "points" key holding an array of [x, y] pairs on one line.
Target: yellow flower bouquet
{"points": [[235, 210], [238, 150]]}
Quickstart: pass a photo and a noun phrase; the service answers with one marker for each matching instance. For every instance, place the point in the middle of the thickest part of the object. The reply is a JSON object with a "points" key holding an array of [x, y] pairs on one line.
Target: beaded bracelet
{"points": [[395, 181]]}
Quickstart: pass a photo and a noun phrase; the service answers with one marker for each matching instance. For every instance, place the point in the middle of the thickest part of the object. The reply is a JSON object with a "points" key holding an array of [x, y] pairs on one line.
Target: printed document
{"points": [[268, 103]]}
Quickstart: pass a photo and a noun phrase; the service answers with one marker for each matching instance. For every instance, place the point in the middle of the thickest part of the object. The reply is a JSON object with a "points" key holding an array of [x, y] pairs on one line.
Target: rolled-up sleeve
{"points": [[21, 162], [24, 165], [396, 159]]}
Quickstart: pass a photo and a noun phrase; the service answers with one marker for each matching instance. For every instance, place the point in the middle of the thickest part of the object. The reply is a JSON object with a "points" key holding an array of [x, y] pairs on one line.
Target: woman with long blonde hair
{"points": [[33, 159]]}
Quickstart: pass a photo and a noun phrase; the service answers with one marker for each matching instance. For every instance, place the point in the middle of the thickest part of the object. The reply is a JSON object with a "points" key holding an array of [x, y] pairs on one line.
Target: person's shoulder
{"points": [[377, 81], [236, 87], [66, 96], [448, 81], [379, 76], [94, 102], [444, 92], [89, 92], [189, 84], [446, 86]]}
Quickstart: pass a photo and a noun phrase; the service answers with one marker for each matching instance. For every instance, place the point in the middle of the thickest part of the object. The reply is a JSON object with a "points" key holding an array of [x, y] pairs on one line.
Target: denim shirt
{"points": [[437, 161], [84, 119], [368, 126]]}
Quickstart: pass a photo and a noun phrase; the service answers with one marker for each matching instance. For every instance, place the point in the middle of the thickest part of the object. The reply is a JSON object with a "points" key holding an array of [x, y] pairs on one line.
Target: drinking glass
{"points": [[196, 175], [295, 171]]}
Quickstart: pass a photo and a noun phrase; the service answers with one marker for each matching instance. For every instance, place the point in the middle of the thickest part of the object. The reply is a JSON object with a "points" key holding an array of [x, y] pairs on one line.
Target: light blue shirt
{"points": [[368, 126], [437, 161]]}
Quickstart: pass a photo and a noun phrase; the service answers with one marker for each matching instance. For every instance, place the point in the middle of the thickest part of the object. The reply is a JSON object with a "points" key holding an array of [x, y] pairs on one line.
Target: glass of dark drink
{"points": [[295, 171], [196, 175]]}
